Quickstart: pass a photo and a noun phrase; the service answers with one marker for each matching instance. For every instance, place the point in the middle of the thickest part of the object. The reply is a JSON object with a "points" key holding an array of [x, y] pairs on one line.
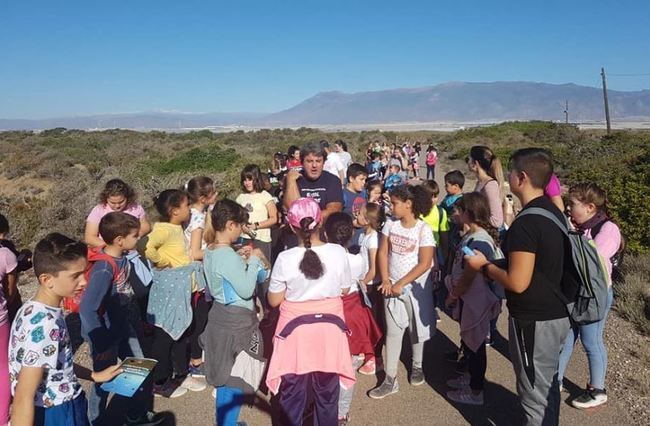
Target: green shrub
{"points": [[197, 159]]}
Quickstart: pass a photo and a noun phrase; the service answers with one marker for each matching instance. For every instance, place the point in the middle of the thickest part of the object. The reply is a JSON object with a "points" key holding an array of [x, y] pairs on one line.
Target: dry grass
{"points": [[632, 294]]}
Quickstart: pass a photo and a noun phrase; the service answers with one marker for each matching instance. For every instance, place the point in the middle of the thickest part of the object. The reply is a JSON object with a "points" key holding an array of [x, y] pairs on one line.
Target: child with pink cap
{"points": [[310, 346]]}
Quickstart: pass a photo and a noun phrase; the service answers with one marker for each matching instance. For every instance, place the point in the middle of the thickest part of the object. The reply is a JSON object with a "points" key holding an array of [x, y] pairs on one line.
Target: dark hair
{"points": [[455, 177], [225, 210], [489, 162], [537, 163], [167, 200], [55, 252], [116, 187], [252, 171], [342, 144], [477, 207], [590, 193], [310, 265], [431, 148], [4, 224], [420, 198], [313, 148], [292, 150], [375, 216], [117, 224], [372, 184], [356, 169], [200, 186], [374, 155], [431, 186], [339, 228]]}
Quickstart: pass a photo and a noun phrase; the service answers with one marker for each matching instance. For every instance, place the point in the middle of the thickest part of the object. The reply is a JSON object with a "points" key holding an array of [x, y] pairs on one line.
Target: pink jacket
{"points": [[311, 347]]}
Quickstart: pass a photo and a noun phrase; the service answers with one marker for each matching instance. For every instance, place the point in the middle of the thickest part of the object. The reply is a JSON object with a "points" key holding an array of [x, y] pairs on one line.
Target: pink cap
{"points": [[302, 208]]}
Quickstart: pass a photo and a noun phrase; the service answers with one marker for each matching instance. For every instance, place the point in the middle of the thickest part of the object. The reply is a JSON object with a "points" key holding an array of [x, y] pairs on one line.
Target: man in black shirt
{"points": [[536, 251]]}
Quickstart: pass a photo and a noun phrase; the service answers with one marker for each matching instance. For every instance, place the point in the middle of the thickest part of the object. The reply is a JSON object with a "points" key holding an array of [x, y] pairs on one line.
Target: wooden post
{"points": [[609, 123]]}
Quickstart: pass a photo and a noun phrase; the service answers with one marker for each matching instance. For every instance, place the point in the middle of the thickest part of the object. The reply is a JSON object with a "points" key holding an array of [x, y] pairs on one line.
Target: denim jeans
{"points": [[591, 336], [70, 413], [137, 405]]}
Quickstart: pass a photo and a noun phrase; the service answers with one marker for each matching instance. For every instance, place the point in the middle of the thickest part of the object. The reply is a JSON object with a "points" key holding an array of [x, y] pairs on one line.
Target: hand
{"points": [[293, 175], [477, 261], [385, 287], [245, 252], [396, 290], [257, 252], [107, 374]]}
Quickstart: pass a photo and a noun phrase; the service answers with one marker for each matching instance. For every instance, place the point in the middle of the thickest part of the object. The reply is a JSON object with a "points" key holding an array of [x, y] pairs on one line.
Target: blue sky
{"points": [[68, 57]]}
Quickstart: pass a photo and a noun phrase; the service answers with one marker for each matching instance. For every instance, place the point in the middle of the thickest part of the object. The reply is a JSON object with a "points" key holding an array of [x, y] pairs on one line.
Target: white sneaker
{"points": [[590, 398], [459, 382], [193, 384], [466, 396], [169, 390]]}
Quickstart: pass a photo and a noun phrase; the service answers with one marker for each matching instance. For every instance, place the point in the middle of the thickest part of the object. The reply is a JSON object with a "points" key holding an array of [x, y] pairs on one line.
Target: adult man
{"points": [[333, 163], [537, 287], [311, 182]]}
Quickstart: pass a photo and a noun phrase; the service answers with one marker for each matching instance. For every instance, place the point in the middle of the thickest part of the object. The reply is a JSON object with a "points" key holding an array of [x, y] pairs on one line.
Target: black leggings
{"points": [[200, 310], [171, 355], [477, 364], [431, 171]]}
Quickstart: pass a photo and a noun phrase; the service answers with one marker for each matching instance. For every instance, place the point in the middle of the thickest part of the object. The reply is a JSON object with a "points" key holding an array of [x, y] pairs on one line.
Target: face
{"points": [[117, 203], [69, 282], [182, 212], [338, 148], [471, 165], [515, 181], [296, 155], [451, 188], [401, 208], [375, 194], [248, 184], [210, 199], [130, 241], [580, 212], [358, 183], [361, 218], [234, 230], [313, 166]]}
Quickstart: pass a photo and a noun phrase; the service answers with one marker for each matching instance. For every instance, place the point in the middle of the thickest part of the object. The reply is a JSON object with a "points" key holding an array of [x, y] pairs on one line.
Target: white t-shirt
{"points": [[286, 274], [404, 245], [333, 164], [356, 271], [39, 338], [346, 159], [366, 243], [197, 221]]}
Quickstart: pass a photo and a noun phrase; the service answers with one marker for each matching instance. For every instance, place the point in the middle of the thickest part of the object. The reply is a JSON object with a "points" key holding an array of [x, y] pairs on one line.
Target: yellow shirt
{"points": [[167, 247], [436, 223]]}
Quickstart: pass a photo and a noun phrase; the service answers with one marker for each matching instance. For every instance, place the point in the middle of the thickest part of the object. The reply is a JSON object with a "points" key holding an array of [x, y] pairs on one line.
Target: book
{"points": [[135, 371]]}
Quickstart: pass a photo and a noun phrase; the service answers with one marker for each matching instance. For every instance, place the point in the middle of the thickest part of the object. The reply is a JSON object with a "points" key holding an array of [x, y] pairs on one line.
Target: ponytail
{"points": [[310, 265]]}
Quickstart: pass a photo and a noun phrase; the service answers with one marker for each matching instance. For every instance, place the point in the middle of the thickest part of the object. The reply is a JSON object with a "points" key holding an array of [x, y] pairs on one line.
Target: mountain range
{"points": [[449, 102]]}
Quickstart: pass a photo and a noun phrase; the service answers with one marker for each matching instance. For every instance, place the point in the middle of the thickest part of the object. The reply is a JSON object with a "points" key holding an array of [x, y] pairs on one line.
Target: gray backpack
{"points": [[586, 267]]}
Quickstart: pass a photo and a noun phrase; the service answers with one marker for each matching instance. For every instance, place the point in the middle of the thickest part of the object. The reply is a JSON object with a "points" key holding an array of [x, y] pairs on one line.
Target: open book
{"points": [[128, 381]]}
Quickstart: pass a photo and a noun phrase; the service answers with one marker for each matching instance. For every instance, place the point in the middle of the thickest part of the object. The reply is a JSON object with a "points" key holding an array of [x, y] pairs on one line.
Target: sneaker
{"points": [[466, 396], [459, 382], [149, 418], [563, 389], [417, 376], [214, 393], [343, 421], [195, 370], [169, 389], [590, 398], [193, 384], [388, 387], [369, 368]]}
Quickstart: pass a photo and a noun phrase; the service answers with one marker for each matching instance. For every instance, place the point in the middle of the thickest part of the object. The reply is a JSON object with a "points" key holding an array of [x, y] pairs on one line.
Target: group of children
{"points": [[190, 292]]}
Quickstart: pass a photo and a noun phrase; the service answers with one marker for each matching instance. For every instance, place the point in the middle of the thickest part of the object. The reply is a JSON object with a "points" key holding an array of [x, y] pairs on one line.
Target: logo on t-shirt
{"points": [[401, 244]]}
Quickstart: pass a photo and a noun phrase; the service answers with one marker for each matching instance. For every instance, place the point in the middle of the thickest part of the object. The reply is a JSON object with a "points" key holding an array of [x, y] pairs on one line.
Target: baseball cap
{"points": [[302, 208]]}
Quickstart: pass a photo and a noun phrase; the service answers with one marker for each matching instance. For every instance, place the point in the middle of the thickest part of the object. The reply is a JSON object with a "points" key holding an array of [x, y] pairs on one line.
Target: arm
{"points": [[196, 241], [493, 195], [382, 260], [29, 378], [157, 238], [608, 240], [331, 207], [518, 275], [275, 299], [291, 190], [273, 216], [557, 200], [99, 285], [91, 235], [145, 226], [372, 267], [241, 276], [97, 376]]}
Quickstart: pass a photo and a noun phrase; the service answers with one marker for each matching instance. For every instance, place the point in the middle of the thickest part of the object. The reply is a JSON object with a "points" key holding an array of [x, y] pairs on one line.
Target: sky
{"points": [[67, 57]]}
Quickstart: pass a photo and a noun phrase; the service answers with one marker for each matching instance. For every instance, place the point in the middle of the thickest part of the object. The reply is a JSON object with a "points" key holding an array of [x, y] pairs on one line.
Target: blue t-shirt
{"points": [[354, 201]]}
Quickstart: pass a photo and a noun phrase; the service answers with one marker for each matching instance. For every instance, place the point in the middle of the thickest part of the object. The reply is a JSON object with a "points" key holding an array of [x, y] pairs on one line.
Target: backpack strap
{"points": [[440, 213], [547, 214]]}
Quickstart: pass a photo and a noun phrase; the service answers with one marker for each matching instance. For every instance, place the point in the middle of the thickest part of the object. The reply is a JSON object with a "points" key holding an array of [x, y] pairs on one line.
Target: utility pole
{"points": [[566, 112], [609, 123]]}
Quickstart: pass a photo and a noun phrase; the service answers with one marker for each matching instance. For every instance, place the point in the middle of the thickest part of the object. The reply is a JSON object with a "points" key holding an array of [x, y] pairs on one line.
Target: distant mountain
{"points": [[136, 121], [449, 102], [465, 102]]}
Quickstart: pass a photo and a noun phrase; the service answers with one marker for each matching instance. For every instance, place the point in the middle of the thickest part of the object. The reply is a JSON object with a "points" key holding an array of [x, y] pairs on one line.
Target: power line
{"points": [[628, 75]]}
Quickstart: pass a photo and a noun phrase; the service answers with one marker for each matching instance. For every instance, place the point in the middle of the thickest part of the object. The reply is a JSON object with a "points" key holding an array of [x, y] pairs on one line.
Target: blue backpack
{"points": [[587, 268]]}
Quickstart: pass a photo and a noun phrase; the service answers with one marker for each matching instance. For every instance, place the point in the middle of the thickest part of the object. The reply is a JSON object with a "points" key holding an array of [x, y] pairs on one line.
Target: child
{"points": [[405, 257], [44, 385], [374, 191], [431, 160], [354, 193], [202, 194], [166, 248], [232, 342], [364, 331], [108, 311], [310, 348], [374, 167], [437, 221], [588, 210], [414, 162], [454, 182], [479, 303], [293, 158], [395, 177], [117, 196], [15, 262]]}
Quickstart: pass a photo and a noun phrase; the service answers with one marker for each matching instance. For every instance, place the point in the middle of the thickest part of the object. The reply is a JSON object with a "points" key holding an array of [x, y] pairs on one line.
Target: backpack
{"points": [[71, 304], [496, 288], [431, 158], [587, 268]]}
